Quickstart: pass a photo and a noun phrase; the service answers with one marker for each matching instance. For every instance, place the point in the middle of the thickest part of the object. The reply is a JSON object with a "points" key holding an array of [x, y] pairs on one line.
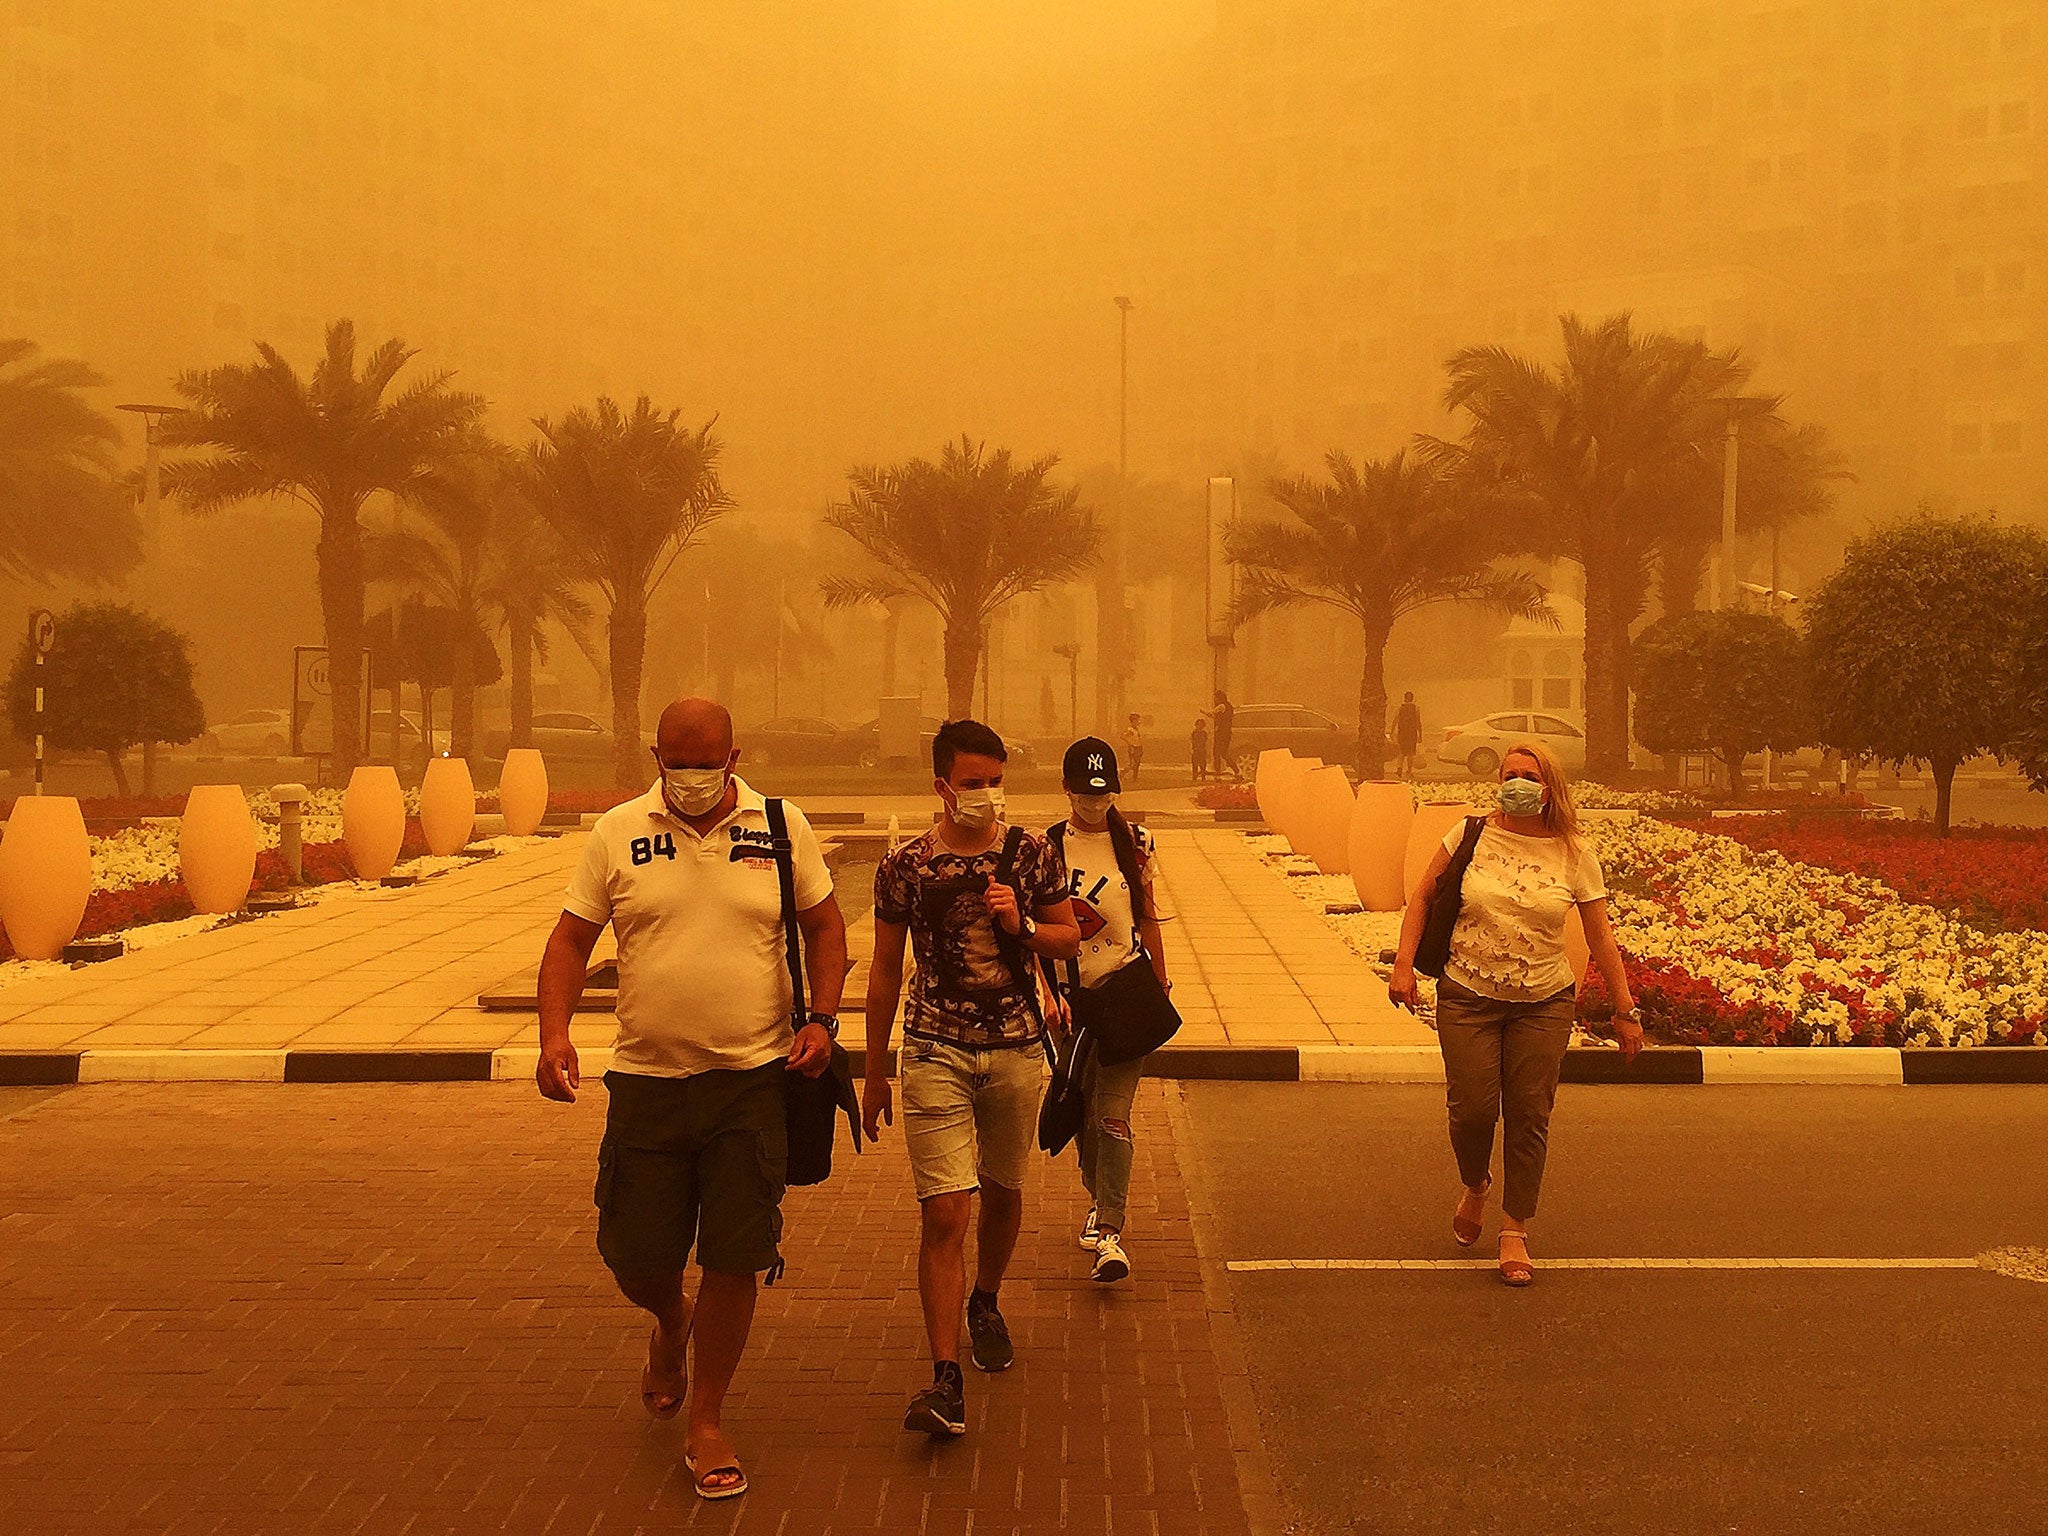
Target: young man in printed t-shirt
{"points": [[696, 1140], [1119, 925], [971, 1067]]}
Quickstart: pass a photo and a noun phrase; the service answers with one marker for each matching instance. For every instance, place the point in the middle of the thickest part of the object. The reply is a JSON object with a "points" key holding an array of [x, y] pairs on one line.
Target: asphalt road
{"points": [[1666, 1400]]}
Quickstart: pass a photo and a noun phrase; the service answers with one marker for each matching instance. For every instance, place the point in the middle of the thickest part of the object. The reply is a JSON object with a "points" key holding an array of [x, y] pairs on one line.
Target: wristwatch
{"points": [[829, 1022], [1026, 926]]}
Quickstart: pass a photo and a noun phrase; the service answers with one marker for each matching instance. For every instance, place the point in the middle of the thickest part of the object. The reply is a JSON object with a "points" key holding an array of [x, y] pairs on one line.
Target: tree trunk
{"points": [[120, 772], [398, 724], [426, 728], [963, 660], [1621, 682], [1944, 790], [1679, 571], [1606, 750], [1108, 649], [522, 680], [341, 617], [627, 649], [1732, 758], [1372, 702], [149, 768], [462, 701], [892, 628]]}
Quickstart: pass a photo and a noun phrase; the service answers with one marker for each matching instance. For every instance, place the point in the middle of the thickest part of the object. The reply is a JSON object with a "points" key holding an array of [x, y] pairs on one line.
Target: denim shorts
{"points": [[969, 1113]]}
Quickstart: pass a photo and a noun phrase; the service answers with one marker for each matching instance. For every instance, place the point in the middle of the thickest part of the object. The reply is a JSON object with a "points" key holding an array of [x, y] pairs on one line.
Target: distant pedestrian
{"points": [[1134, 745], [978, 900], [695, 1140], [1504, 1003], [1408, 735], [1198, 747], [1110, 869], [1224, 714]]}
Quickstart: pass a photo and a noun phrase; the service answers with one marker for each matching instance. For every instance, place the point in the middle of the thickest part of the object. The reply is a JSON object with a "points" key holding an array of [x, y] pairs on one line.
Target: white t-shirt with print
{"points": [[1101, 895], [703, 974], [1509, 939]]}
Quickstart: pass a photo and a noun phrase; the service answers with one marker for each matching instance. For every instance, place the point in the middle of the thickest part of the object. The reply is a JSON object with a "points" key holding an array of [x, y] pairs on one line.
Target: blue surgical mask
{"points": [[1521, 797], [1092, 809]]}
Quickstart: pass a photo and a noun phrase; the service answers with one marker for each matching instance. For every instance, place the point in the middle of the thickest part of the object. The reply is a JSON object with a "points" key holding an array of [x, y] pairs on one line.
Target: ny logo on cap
{"points": [[1095, 762]]}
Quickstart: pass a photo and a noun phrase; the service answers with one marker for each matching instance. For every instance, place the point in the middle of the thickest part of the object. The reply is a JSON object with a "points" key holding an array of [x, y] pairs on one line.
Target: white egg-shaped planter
{"points": [[1292, 797], [1377, 844], [1326, 803], [373, 821], [1266, 782], [217, 847], [1424, 833], [447, 805], [523, 791], [45, 875]]}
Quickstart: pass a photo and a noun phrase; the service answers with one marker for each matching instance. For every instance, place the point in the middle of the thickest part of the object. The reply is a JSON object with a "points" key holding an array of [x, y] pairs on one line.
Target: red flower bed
{"points": [[1993, 878], [1227, 797], [1678, 1008]]}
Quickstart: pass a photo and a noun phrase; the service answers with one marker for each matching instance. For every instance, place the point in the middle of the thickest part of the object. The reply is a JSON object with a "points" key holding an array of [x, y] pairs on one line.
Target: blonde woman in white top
{"points": [[1505, 1005]]}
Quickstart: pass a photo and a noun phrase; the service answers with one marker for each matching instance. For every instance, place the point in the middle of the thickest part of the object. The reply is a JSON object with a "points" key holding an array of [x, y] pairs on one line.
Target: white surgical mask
{"points": [[978, 808], [693, 791], [1093, 809]]}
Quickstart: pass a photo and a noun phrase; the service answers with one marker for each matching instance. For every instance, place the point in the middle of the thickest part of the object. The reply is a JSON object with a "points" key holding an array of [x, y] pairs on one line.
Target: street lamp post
{"points": [[153, 417], [1119, 572]]}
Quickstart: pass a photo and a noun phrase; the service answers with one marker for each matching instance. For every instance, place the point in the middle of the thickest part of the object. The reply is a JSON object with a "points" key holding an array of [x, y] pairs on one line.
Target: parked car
{"points": [[796, 739], [252, 733], [1478, 745], [1260, 728], [563, 736], [866, 742], [377, 745]]}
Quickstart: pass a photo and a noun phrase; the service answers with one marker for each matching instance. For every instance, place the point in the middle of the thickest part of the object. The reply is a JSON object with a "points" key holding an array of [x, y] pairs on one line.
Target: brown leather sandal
{"points": [[1516, 1272], [1464, 1230], [652, 1392]]}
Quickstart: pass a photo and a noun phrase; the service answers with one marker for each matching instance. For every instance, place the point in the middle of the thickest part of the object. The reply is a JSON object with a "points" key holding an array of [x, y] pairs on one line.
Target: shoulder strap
{"points": [[1123, 843], [1056, 834], [785, 876], [1008, 945]]}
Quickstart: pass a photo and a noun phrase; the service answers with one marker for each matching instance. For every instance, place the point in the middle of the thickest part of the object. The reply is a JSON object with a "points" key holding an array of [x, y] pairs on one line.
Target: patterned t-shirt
{"points": [[962, 992], [1508, 943]]}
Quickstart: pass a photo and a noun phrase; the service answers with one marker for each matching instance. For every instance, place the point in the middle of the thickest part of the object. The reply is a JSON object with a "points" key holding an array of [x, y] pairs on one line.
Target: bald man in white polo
{"points": [[695, 1146]]}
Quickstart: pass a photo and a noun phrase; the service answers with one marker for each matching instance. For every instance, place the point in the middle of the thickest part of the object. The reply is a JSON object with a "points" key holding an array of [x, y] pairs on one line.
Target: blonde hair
{"points": [[1560, 816]]}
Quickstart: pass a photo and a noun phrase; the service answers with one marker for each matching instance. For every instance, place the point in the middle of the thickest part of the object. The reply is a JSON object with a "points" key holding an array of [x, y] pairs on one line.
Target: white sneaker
{"points": [[1090, 1233], [1111, 1262]]}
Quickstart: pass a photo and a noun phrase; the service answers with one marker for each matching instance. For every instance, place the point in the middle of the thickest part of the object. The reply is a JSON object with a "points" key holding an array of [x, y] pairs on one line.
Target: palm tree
{"points": [[330, 442], [61, 512], [1377, 540], [1609, 459], [626, 494], [483, 551], [965, 535], [1784, 474]]}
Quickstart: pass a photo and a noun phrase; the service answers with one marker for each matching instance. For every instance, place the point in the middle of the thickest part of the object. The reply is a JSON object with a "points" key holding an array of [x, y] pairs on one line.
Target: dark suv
{"points": [[1304, 732]]}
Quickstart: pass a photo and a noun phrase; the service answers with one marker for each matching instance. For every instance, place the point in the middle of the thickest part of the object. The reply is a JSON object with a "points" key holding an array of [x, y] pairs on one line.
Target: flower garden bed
{"points": [[1729, 944], [1992, 878]]}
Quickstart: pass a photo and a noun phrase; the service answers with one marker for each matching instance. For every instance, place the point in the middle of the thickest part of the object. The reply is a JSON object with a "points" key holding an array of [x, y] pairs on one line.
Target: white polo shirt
{"points": [[703, 981]]}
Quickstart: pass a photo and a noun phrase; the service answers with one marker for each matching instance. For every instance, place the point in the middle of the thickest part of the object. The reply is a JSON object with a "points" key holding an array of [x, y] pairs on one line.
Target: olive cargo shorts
{"points": [[692, 1159]]}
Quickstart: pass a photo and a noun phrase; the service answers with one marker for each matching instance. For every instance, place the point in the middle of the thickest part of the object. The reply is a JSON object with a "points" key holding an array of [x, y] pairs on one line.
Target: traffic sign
{"points": [[42, 630]]}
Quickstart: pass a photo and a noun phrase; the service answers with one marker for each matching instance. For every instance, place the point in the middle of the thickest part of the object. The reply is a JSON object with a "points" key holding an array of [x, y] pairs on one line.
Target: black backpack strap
{"points": [[785, 876], [1123, 842], [1008, 944], [1056, 834]]}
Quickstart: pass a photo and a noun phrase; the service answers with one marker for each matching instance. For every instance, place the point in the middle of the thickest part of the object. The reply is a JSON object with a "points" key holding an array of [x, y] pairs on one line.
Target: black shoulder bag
{"points": [[1127, 1013], [1433, 950], [811, 1103]]}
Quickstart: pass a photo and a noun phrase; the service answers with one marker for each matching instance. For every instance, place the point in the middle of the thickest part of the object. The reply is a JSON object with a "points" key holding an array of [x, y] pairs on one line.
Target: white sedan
{"points": [[1479, 746]]}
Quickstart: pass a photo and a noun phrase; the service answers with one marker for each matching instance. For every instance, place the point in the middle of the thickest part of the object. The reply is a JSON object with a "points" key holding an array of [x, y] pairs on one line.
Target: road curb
{"points": [[1678, 1065]]}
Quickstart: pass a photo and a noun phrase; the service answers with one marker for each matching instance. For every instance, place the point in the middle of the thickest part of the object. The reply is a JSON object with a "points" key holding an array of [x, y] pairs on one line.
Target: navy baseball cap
{"points": [[1090, 767]]}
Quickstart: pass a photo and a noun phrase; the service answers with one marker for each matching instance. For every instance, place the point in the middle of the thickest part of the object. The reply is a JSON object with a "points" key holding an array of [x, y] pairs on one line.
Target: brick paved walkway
{"points": [[245, 1308]]}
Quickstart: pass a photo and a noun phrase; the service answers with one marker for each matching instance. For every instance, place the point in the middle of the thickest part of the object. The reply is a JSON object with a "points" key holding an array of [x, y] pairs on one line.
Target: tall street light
{"points": [[153, 417], [1121, 566]]}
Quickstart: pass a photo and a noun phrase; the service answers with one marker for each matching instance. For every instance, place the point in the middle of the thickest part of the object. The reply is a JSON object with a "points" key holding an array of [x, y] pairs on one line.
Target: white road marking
{"points": [[1267, 1266]]}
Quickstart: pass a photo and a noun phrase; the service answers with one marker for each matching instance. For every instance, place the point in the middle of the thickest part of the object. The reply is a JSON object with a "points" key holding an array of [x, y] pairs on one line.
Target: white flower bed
{"points": [[1840, 956]]}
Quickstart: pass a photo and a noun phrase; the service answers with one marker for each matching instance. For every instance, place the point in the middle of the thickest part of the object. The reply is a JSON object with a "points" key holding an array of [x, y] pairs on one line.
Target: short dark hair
{"points": [[968, 736]]}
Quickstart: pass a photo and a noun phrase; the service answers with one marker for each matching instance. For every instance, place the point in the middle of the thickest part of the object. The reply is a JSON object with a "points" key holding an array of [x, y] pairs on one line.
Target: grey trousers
{"points": [[1106, 1137], [1501, 1061]]}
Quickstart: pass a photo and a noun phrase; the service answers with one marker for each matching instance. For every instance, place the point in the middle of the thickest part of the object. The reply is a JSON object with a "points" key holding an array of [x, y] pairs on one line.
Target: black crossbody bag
{"points": [[1127, 1013], [812, 1104], [1433, 950]]}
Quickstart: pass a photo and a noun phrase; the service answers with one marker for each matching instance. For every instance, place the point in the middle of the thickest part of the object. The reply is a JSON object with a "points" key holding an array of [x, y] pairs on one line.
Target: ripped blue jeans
{"points": [[1106, 1138]]}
